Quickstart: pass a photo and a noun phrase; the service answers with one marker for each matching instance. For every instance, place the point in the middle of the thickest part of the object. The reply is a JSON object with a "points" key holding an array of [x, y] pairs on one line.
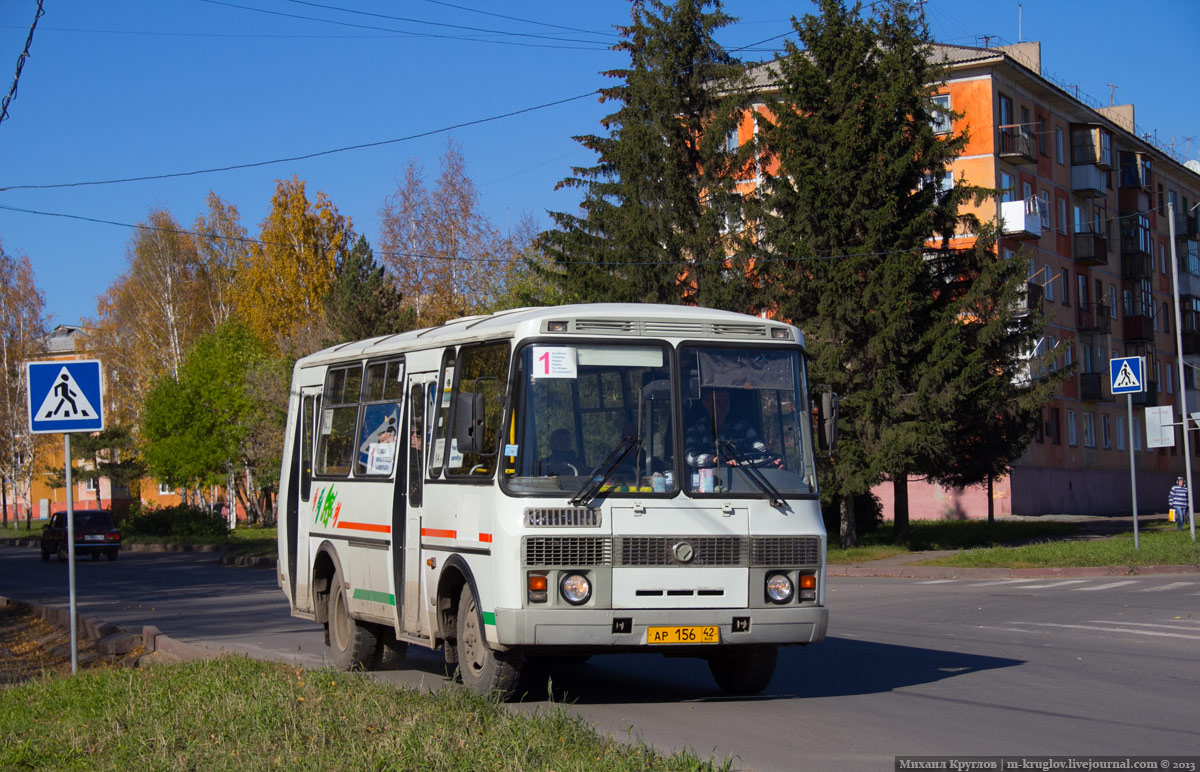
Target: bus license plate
{"points": [[677, 635]]}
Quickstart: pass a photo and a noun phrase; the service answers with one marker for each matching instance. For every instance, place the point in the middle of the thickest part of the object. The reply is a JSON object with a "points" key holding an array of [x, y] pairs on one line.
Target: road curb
{"points": [[113, 639]]}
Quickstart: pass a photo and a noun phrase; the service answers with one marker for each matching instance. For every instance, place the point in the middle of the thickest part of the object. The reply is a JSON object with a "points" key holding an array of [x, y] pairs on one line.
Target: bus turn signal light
{"points": [[537, 588]]}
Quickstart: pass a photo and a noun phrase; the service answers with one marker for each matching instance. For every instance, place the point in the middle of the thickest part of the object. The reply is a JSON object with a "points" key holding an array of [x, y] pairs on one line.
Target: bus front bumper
{"points": [[623, 629]]}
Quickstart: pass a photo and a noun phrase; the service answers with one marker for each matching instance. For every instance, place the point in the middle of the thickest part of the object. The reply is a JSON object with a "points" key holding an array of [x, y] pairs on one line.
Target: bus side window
{"points": [[335, 443], [439, 416], [416, 443], [478, 407], [307, 416]]}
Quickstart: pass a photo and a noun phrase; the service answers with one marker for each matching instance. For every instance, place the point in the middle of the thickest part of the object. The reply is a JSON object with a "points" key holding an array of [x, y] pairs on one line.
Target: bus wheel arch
{"points": [[325, 565]]}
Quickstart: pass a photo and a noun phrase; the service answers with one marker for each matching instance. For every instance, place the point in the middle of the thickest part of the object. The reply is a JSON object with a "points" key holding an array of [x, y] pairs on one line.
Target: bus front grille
{"points": [[785, 551], [568, 551], [681, 551], [562, 517]]}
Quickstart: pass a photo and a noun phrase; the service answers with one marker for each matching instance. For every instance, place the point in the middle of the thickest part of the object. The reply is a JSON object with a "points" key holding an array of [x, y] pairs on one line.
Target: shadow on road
{"points": [[834, 668]]}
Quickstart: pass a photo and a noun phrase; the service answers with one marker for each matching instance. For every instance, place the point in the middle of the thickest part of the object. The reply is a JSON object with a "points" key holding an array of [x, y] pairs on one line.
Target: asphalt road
{"points": [[1085, 666]]}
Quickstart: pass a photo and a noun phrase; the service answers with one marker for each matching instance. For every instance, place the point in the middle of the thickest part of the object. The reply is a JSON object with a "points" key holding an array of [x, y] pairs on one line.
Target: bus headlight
{"points": [[575, 589], [780, 588]]}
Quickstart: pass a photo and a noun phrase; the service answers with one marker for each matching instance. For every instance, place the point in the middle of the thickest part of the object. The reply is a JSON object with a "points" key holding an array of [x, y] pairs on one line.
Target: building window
{"points": [[1066, 286], [1068, 355], [1072, 440], [1041, 127], [89, 485], [1166, 318], [1089, 430], [1052, 428], [1062, 216], [1048, 285], [941, 117], [1044, 207], [164, 489], [1162, 259], [1052, 346], [1008, 187], [1137, 434], [1058, 145], [1105, 431], [1170, 378], [1112, 301]]}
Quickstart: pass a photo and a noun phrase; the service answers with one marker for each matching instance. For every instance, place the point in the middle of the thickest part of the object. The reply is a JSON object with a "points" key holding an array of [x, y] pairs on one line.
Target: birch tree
{"points": [[22, 338]]}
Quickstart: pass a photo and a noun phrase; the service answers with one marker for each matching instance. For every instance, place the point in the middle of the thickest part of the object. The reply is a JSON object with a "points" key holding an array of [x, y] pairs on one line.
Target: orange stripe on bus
{"points": [[486, 538], [365, 527], [439, 533]]}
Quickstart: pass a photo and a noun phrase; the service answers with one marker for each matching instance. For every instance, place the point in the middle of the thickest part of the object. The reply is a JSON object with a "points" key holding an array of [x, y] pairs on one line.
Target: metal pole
{"points": [[1132, 474], [1183, 412], [70, 537]]}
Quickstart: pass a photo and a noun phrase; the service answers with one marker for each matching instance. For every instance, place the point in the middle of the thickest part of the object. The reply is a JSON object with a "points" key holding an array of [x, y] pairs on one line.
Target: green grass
{"points": [[12, 533], [1158, 546], [949, 535], [240, 714], [244, 539]]}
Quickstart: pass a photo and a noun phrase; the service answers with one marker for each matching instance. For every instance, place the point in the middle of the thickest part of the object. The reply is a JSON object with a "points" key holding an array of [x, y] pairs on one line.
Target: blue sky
{"points": [[130, 88]]}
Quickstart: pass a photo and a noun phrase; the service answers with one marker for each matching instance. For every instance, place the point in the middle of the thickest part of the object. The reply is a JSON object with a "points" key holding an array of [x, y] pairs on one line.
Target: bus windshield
{"points": [[745, 422], [590, 408], [607, 416]]}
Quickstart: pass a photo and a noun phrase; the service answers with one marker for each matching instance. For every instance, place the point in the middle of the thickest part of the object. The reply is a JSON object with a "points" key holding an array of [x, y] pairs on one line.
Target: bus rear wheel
{"points": [[483, 671], [743, 669], [353, 643]]}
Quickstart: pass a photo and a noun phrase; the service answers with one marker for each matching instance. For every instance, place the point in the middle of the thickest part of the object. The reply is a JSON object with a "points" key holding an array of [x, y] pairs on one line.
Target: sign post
{"points": [[65, 397], [1125, 375]]}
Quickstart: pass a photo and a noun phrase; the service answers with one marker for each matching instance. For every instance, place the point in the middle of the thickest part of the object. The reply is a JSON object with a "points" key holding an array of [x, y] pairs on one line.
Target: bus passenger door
{"points": [[299, 517], [414, 618]]}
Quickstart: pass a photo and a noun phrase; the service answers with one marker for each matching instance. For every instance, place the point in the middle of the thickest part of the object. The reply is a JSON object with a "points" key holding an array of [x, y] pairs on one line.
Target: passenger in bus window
{"points": [[562, 458], [711, 425]]}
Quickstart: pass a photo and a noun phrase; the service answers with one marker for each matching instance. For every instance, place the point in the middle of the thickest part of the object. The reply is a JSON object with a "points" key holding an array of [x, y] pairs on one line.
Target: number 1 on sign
{"points": [[554, 362]]}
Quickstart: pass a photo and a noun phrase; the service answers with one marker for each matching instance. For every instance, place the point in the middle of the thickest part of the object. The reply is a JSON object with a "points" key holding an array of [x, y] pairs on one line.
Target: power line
{"points": [[303, 157], [12, 92], [514, 18], [420, 256], [418, 34]]}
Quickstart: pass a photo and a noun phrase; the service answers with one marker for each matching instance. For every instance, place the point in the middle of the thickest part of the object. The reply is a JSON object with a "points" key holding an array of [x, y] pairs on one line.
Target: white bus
{"points": [[557, 482]]}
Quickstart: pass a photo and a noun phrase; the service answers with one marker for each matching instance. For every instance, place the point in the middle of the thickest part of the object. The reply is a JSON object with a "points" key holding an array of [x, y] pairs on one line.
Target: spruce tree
{"points": [[364, 301], [652, 224], [849, 219]]}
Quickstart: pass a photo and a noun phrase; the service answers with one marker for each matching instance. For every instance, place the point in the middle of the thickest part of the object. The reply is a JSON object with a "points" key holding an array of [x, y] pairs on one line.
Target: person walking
{"points": [[1178, 501]]}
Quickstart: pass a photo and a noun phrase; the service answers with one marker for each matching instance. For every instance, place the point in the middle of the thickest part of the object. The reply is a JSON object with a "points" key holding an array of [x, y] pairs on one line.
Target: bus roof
{"points": [[588, 319]]}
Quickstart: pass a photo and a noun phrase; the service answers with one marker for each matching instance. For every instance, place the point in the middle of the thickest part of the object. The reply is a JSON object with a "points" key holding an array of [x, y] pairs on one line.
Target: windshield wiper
{"points": [[754, 474], [618, 454]]}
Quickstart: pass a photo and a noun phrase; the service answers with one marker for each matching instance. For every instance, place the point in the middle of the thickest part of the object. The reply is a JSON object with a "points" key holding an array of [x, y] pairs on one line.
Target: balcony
{"points": [[1021, 219], [1137, 265], [1032, 300], [1093, 318], [1018, 146], [1147, 398], [1089, 248], [1185, 225], [1191, 343], [1089, 180], [1091, 387], [1134, 327]]}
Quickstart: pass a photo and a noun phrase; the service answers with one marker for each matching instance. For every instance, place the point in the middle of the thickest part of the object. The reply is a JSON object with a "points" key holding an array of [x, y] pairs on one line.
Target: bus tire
{"points": [[389, 652], [483, 671], [351, 642], [743, 669]]}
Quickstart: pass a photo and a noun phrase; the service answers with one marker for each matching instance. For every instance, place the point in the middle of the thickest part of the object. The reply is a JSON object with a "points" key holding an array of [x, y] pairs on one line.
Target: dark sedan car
{"points": [[95, 534]]}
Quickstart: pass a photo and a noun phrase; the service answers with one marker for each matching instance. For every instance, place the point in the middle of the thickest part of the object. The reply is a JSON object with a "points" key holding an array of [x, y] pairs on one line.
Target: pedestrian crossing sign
{"points": [[1126, 375], [65, 396]]}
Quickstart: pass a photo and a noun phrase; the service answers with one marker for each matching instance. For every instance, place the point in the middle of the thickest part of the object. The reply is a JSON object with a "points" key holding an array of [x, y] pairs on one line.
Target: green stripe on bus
{"points": [[375, 597], [489, 618]]}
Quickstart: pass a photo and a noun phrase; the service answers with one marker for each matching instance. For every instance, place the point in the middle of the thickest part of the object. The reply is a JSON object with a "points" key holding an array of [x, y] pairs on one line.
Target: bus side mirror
{"points": [[827, 422], [468, 422]]}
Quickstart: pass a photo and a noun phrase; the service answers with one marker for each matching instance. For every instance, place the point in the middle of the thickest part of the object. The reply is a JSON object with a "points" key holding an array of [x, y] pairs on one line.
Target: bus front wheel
{"points": [[353, 643], [743, 669], [483, 671]]}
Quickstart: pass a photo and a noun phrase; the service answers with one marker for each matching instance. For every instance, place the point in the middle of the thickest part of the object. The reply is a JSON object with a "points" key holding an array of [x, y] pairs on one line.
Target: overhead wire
{"points": [[591, 47], [12, 91]]}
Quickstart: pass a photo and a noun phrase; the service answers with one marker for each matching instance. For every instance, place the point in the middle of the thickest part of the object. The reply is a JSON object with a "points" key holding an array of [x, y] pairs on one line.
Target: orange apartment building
{"points": [[1086, 194]]}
